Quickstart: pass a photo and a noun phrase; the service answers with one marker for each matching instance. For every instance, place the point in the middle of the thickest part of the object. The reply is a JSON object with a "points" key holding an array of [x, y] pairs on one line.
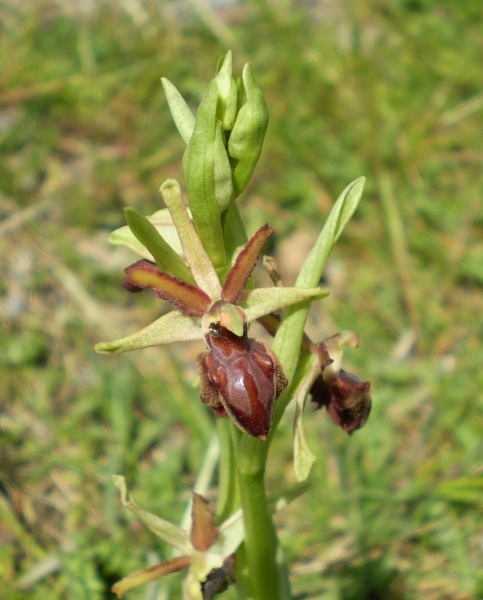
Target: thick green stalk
{"points": [[260, 538]]}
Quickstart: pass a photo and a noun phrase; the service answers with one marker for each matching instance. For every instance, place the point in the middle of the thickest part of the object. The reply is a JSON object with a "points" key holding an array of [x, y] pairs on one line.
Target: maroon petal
{"points": [[188, 298], [239, 274]]}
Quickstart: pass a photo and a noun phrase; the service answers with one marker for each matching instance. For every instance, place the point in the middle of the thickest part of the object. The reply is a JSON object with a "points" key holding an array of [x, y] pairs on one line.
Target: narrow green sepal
{"points": [[262, 301], [166, 258], [172, 327], [198, 168], [182, 115]]}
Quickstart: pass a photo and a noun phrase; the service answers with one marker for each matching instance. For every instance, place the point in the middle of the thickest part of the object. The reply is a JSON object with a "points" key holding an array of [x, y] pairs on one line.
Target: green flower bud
{"points": [[246, 138], [227, 93]]}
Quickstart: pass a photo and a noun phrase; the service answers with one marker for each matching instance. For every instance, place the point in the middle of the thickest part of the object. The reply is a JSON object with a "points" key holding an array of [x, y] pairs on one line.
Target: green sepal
{"points": [[182, 116], [166, 258], [172, 327], [227, 93], [198, 168], [262, 301], [246, 139]]}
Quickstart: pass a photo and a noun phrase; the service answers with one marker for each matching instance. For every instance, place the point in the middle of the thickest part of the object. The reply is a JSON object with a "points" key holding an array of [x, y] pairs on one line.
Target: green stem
{"points": [[260, 537]]}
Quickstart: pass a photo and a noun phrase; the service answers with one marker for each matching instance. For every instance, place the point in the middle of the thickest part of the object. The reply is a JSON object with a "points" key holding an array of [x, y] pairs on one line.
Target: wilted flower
{"points": [[206, 550], [345, 395]]}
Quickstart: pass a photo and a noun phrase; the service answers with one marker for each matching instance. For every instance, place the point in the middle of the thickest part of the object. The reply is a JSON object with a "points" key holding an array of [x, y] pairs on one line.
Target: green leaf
{"points": [[340, 215], [289, 335], [182, 115], [166, 258], [172, 327]]}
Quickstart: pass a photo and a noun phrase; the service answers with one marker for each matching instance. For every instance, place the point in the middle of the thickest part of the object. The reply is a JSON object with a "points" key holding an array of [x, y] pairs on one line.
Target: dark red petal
{"points": [[239, 274], [189, 298]]}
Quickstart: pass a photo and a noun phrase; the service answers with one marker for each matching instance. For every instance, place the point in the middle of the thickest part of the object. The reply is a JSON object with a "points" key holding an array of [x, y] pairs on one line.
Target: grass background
{"points": [[390, 90]]}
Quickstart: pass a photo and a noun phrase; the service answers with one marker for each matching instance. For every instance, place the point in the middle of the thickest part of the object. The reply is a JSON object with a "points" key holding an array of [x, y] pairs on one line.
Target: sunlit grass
{"points": [[392, 93]]}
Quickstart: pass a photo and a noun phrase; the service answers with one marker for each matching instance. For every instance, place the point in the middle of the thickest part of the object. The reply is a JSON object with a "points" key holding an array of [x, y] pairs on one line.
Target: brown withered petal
{"points": [[239, 274], [189, 298], [219, 580], [244, 376], [346, 397], [203, 531]]}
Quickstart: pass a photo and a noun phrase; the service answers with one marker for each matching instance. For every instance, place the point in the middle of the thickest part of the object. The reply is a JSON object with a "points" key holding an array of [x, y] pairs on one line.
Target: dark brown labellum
{"points": [[242, 377]]}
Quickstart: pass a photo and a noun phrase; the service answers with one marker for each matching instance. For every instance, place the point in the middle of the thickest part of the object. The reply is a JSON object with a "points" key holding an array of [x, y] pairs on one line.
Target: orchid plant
{"points": [[199, 259]]}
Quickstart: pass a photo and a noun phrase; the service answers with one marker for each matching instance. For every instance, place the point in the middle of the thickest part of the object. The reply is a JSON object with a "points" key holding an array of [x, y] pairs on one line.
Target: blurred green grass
{"points": [[389, 90]]}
